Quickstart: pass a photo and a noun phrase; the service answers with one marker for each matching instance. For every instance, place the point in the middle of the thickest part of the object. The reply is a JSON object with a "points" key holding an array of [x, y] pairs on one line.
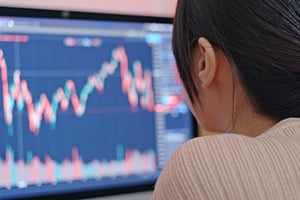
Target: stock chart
{"points": [[86, 107]]}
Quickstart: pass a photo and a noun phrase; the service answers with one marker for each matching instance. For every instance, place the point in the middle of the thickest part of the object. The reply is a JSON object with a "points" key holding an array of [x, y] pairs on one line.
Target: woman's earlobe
{"points": [[201, 70]]}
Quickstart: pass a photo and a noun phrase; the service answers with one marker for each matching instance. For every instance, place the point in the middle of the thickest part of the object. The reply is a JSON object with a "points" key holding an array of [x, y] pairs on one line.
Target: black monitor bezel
{"points": [[66, 14]]}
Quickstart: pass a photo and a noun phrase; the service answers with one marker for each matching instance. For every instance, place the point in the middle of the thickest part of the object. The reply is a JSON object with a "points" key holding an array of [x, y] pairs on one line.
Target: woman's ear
{"points": [[207, 64]]}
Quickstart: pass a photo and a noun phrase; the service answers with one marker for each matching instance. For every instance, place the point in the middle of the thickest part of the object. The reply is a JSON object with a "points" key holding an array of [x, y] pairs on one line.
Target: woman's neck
{"points": [[252, 124]]}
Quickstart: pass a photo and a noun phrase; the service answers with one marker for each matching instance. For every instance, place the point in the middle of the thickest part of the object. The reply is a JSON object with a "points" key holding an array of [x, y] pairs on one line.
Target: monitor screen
{"points": [[88, 102]]}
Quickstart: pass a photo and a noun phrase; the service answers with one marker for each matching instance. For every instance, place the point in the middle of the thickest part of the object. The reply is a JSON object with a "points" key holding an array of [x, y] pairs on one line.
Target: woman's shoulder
{"points": [[285, 131], [211, 145], [212, 167], [284, 135], [200, 161], [207, 149]]}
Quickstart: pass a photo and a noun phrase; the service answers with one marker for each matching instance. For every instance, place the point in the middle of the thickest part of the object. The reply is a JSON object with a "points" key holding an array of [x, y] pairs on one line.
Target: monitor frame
{"points": [[65, 14]]}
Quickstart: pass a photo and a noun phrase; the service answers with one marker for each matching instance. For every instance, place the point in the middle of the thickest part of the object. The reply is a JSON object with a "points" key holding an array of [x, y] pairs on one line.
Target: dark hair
{"points": [[260, 38]]}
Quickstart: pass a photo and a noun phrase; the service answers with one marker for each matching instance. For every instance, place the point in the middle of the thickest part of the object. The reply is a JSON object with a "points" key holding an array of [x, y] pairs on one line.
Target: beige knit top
{"points": [[232, 166]]}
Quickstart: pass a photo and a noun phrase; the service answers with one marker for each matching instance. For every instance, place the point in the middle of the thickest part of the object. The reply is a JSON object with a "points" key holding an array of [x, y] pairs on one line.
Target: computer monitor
{"points": [[90, 104]]}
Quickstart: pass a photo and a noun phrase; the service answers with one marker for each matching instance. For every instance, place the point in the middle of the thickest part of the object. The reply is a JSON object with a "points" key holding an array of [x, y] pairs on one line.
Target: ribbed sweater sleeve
{"points": [[231, 166]]}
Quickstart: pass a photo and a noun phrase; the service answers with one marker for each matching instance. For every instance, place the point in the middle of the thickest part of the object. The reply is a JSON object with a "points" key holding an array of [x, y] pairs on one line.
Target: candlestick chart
{"points": [[18, 93], [86, 110], [60, 103], [35, 172]]}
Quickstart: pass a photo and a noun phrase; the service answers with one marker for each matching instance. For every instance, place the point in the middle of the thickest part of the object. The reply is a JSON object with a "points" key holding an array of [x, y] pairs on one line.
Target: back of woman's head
{"points": [[261, 40]]}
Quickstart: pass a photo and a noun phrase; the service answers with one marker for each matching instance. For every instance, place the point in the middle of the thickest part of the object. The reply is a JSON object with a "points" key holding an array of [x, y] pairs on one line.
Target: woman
{"points": [[239, 61]]}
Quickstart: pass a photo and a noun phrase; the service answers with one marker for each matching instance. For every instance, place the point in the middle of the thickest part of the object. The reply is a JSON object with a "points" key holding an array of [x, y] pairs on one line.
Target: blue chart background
{"points": [[108, 120]]}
